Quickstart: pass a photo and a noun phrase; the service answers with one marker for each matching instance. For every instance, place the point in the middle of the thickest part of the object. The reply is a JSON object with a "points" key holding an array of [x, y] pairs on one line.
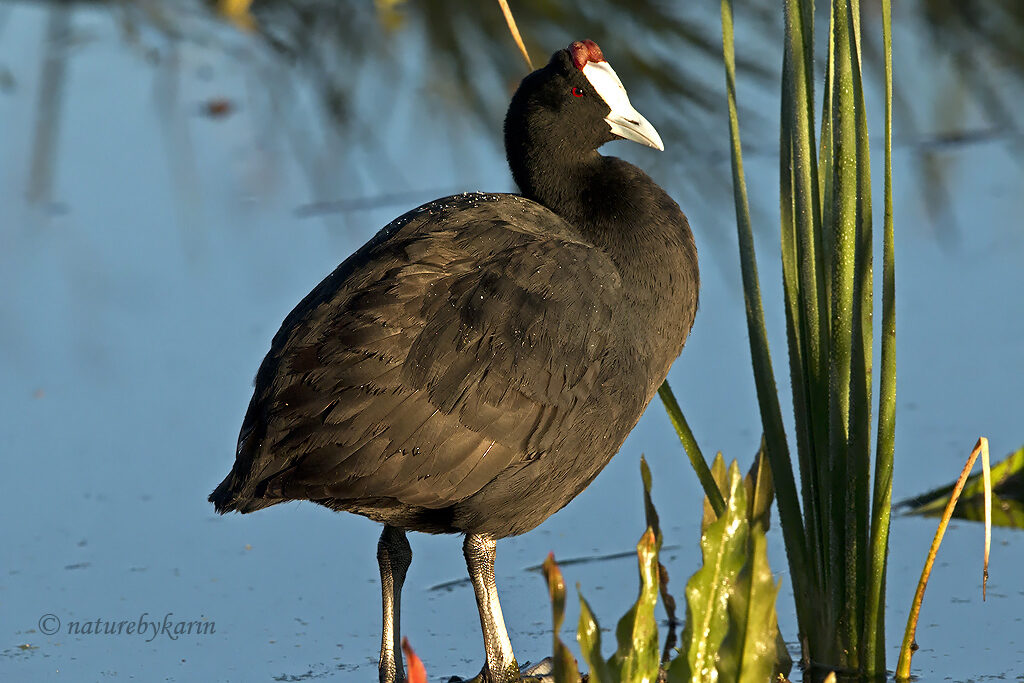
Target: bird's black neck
{"points": [[611, 202], [616, 207]]}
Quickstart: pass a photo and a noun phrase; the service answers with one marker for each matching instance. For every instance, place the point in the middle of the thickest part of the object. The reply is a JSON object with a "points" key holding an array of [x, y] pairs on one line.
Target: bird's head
{"points": [[574, 104]]}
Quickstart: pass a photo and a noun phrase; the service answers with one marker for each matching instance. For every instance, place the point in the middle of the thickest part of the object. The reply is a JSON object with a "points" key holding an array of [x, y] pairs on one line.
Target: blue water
{"points": [[145, 267]]}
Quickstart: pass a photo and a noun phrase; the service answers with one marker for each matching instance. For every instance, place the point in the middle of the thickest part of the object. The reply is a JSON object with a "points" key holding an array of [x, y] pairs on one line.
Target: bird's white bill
{"points": [[624, 120]]}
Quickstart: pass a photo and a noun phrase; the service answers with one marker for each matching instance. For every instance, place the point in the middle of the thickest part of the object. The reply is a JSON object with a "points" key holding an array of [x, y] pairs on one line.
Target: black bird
{"points": [[474, 366]]}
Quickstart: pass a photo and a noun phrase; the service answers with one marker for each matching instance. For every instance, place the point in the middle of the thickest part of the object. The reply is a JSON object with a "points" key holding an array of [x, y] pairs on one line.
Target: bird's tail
{"points": [[223, 498], [228, 498]]}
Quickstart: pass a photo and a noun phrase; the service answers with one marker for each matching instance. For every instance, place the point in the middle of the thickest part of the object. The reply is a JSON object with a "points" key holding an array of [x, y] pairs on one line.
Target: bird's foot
{"points": [[541, 672]]}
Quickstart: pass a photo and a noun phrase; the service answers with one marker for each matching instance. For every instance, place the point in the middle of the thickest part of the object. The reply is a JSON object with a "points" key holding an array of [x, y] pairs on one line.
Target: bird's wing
{"points": [[457, 346]]}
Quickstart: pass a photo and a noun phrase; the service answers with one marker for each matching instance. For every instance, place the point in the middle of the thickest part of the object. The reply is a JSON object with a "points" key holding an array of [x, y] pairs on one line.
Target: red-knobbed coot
{"points": [[474, 366]]}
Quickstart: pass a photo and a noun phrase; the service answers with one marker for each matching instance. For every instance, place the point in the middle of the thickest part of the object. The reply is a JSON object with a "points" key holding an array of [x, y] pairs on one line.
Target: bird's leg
{"points": [[479, 550], [394, 556]]}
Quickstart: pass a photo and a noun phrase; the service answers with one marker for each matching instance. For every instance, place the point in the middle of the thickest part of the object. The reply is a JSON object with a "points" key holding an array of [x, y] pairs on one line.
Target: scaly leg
{"points": [[394, 556], [479, 550]]}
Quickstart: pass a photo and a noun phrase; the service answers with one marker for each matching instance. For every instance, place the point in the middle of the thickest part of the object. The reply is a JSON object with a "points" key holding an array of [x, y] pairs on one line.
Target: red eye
{"points": [[576, 92]]}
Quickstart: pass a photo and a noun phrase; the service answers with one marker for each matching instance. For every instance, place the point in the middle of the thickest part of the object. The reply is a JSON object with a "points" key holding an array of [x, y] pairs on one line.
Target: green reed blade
{"points": [[881, 504], [764, 376]]}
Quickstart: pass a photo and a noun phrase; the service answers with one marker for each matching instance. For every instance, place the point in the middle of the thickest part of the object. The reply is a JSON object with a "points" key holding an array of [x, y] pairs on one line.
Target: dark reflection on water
{"points": [[1007, 496], [455, 62]]}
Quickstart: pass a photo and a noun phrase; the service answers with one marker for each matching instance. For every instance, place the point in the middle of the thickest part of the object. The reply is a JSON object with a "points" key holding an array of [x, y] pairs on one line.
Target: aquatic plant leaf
{"points": [[760, 491], [565, 670], [881, 496], [783, 660], [1006, 512], [637, 658], [693, 452], [748, 653], [718, 474], [650, 513], [589, 637], [667, 599], [724, 551], [1007, 499]]}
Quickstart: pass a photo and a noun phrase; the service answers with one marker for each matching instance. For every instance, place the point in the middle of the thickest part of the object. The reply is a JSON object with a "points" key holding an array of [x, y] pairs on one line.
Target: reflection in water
{"points": [[51, 87], [1007, 496], [361, 62], [972, 37]]}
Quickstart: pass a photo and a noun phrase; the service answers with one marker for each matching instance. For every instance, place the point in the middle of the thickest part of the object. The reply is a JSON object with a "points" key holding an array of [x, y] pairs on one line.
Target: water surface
{"points": [[171, 188]]}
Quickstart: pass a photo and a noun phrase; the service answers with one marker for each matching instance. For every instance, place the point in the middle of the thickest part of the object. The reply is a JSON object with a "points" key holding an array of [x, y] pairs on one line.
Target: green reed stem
{"points": [[693, 452], [881, 505], [777, 447]]}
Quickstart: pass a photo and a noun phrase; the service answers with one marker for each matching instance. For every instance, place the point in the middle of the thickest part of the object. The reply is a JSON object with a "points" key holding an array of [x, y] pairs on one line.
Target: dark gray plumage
{"points": [[474, 366]]}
